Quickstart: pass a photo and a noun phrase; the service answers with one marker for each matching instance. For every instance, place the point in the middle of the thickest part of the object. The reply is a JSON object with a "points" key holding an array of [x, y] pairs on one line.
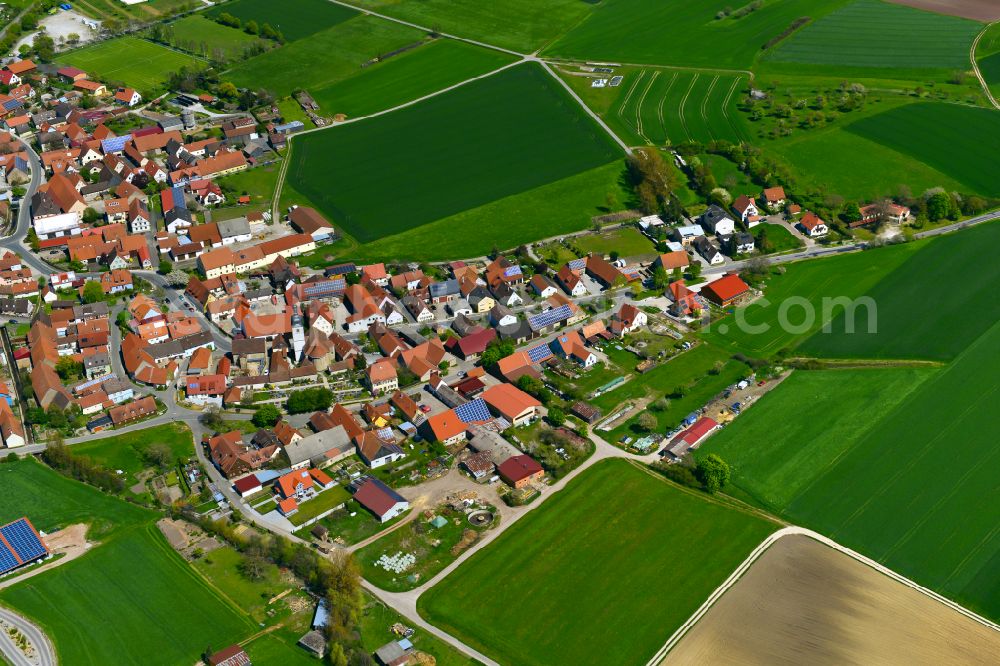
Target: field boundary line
{"points": [[755, 554], [975, 65], [621, 109], [683, 103], [704, 106], [646, 65], [659, 108], [386, 17], [725, 109], [583, 105]]}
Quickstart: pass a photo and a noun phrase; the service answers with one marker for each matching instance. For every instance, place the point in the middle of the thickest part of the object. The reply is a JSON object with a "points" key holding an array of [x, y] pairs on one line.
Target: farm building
{"points": [[384, 502], [520, 471], [726, 291], [20, 544]]}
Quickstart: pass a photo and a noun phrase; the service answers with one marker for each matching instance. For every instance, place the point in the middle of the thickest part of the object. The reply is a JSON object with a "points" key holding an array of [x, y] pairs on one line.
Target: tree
{"points": [[44, 46], [713, 472], [252, 27], [178, 278], [556, 416], [495, 351], [92, 291], [68, 369], [165, 266], [266, 416], [309, 400], [158, 454], [694, 269], [851, 213], [660, 278], [212, 419], [90, 215], [254, 565], [661, 405], [646, 422]]}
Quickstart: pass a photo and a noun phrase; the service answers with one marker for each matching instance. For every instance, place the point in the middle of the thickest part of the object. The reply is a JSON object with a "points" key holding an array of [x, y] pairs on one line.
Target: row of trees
{"points": [[58, 456], [710, 473], [251, 27], [309, 400]]}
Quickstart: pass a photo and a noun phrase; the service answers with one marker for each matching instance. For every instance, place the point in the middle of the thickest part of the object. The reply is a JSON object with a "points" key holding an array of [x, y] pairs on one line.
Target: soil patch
{"points": [[977, 10], [803, 602]]}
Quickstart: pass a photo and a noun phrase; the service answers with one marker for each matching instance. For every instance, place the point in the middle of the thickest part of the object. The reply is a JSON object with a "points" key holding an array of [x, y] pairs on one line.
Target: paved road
{"points": [[45, 651], [14, 242]]}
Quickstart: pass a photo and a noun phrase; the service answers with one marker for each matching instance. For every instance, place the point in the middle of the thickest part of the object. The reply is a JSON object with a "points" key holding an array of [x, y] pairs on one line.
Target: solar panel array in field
{"points": [[19, 545]]}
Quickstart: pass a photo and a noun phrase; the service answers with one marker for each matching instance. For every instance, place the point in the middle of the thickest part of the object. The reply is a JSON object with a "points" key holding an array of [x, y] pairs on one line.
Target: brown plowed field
{"points": [[804, 603], [978, 10]]}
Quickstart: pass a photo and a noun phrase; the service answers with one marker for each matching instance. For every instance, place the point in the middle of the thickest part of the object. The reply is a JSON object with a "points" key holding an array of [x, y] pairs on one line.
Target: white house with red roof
{"points": [[384, 502], [813, 226]]}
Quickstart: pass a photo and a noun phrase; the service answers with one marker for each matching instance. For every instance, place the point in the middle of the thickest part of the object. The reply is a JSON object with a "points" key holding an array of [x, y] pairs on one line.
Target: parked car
{"points": [[425, 408]]}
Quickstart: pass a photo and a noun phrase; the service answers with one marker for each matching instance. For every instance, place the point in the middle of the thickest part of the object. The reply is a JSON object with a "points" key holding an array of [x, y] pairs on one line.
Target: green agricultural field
{"points": [[67, 502], [624, 241], [325, 58], [594, 551], [925, 284], [295, 19], [520, 25], [871, 33], [561, 207], [408, 76], [127, 451], [827, 160], [130, 61], [684, 34], [917, 491], [200, 34], [850, 275], [662, 106], [141, 603], [960, 141], [776, 452], [461, 140]]}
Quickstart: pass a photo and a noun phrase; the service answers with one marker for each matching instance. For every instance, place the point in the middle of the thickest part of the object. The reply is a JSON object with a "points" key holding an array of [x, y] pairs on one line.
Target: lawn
{"points": [[142, 604], [258, 182], [682, 34], [849, 275], [279, 648], [297, 19], [520, 25], [663, 106], [63, 501], [127, 451], [130, 61], [776, 453], [959, 141], [871, 33], [200, 34], [618, 544], [222, 567], [779, 239], [408, 76], [538, 136], [324, 58], [432, 547], [932, 306], [324, 501], [625, 241], [356, 528]]}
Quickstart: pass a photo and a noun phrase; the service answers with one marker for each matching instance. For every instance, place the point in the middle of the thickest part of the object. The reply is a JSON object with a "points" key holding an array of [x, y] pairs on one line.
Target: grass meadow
{"points": [[408, 76], [198, 33], [132, 600], [959, 141], [462, 141], [872, 33], [126, 451], [776, 452], [660, 106], [131, 61], [683, 34], [618, 544], [520, 25], [324, 58], [296, 19], [849, 275], [932, 306]]}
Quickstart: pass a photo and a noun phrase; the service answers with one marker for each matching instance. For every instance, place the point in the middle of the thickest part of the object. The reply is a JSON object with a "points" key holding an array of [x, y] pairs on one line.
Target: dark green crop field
{"points": [[505, 134], [932, 306], [295, 19], [617, 553], [408, 76], [685, 34], [871, 33], [960, 141]]}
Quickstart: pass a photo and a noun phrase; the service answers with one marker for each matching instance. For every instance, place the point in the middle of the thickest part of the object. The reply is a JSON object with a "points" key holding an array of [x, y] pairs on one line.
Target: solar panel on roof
{"points": [[511, 271], [577, 264], [314, 289], [23, 540], [115, 144], [385, 434], [473, 411], [7, 559], [549, 317], [178, 194], [539, 353]]}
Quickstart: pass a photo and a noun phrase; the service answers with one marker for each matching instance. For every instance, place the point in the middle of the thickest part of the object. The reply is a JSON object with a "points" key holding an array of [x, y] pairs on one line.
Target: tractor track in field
{"points": [[683, 103], [628, 96], [638, 107], [704, 106], [975, 65], [725, 109], [659, 107]]}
